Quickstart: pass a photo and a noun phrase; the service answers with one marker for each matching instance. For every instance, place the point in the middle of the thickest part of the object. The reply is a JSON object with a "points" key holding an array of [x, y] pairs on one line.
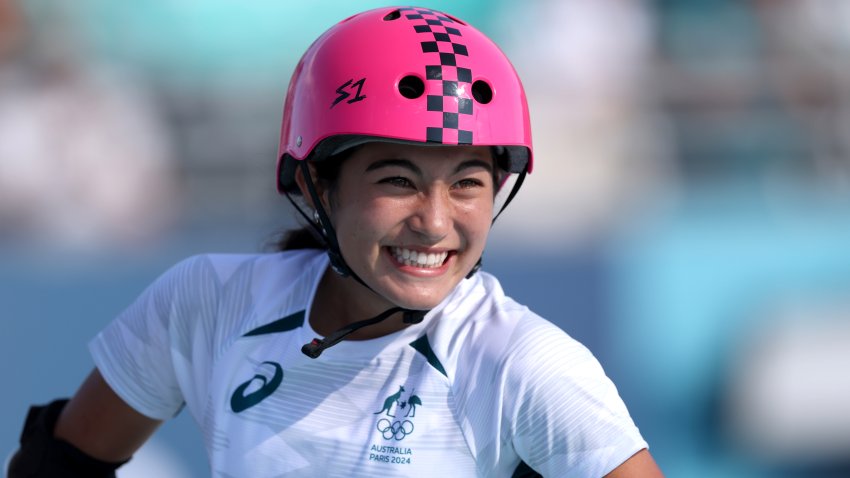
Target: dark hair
{"points": [[302, 238], [306, 237]]}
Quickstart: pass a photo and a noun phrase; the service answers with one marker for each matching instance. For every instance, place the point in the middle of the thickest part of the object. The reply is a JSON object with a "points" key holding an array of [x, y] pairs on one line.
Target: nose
{"points": [[432, 219]]}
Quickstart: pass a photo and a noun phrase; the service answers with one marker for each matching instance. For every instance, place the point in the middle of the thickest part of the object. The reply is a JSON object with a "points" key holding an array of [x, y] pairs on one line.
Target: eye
{"points": [[469, 183], [398, 181]]}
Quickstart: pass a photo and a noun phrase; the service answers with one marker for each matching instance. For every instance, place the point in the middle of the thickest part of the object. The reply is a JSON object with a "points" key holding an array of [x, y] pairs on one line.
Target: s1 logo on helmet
{"points": [[350, 84]]}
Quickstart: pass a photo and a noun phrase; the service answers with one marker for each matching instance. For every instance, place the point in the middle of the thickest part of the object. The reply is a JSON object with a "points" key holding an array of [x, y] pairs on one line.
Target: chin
{"points": [[418, 301]]}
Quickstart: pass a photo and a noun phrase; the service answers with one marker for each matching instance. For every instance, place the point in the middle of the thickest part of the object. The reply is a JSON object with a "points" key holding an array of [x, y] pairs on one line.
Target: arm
{"points": [[640, 465], [91, 435], [101, 424], [97, 431]]}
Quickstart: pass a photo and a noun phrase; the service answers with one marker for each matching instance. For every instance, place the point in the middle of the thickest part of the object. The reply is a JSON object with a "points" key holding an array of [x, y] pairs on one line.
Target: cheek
{"points": [[476, 219], [362, 221]]}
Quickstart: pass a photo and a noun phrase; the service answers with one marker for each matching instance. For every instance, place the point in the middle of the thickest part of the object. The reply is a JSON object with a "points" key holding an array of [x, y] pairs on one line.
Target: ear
{"points": [[320, 186]]}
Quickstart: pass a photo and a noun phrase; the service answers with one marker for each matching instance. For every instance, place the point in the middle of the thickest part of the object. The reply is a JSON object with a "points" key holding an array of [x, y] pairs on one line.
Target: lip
{"points": [[423, 271]]}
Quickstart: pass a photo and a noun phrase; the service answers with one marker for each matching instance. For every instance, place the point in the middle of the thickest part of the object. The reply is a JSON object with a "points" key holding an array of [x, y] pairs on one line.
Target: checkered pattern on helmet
{"points": [[449, 75]]}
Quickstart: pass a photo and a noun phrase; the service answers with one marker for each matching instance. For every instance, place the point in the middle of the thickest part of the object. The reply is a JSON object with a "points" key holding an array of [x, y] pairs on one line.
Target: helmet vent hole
{"points": [[411, 87], [393, 15], [482, 92]]}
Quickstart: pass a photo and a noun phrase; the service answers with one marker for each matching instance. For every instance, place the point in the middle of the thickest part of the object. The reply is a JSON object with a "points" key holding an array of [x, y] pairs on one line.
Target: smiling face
{"points": [[412, 221]]}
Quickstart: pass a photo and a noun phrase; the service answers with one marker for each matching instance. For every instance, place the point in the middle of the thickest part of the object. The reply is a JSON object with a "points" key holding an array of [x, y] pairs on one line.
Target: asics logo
{"points": [[240, 401]]}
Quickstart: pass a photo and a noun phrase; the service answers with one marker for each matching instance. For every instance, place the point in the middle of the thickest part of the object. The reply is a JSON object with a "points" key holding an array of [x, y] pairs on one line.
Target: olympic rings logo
{"points": [[396, 430]]}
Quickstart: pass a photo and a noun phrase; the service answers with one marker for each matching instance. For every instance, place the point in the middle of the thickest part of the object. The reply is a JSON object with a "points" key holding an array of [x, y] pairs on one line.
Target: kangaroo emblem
{"points": [[389, 401]]}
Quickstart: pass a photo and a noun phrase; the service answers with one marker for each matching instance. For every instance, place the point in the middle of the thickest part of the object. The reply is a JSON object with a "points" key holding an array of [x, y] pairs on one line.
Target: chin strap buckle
{"points": [[314, 348]]}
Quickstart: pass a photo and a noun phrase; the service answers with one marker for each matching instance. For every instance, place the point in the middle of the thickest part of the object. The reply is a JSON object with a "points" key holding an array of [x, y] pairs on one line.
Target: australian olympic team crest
{"points": [[395, 423]]}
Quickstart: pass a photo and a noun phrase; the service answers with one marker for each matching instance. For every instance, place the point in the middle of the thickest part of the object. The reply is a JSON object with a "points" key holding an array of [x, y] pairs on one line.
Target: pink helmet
{"points": [[403, 74]]}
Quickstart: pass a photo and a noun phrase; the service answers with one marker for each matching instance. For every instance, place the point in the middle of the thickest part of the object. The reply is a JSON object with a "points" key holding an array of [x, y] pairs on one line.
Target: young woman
{"points": [[405, 132]]}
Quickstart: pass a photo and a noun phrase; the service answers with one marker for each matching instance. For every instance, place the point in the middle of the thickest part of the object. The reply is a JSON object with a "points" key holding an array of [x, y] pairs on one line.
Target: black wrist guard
{"points": [[42, 455]]}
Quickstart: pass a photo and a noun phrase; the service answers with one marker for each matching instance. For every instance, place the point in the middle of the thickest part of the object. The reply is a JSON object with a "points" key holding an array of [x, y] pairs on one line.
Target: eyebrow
{"points": [[407, 164], [475, 163], [401, 163]]}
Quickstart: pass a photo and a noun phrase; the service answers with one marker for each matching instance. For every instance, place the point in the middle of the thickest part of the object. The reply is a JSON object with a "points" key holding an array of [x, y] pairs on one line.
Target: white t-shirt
{"points": [[479, 387]]}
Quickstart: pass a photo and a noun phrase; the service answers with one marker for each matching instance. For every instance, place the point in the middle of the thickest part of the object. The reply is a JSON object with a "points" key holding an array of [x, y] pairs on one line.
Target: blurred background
{"points": [[687, 218]]}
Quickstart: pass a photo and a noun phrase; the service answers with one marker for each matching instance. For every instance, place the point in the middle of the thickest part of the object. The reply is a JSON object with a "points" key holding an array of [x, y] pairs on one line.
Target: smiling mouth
{"points": [[427, 260]]}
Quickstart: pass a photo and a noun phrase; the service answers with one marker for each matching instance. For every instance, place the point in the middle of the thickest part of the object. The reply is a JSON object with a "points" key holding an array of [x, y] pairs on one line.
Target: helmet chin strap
{"points": [[338, 264], [324, 228], [317, 346]]}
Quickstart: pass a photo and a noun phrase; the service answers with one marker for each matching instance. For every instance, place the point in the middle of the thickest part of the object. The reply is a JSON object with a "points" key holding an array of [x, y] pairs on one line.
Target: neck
{"points": [[341, 301]]}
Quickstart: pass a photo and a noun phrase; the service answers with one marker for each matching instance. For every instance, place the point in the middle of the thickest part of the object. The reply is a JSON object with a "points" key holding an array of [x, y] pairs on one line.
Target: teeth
{"points": [[419, 259]]}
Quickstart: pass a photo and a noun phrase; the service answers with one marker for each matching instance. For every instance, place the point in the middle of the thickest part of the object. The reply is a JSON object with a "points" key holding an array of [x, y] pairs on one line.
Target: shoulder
{"points": [[545, 394], [484, 332], [197, 290]]}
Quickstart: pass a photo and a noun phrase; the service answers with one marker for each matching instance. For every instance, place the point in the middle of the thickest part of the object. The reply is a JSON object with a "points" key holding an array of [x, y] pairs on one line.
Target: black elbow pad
{"points": [[42, 456]]}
